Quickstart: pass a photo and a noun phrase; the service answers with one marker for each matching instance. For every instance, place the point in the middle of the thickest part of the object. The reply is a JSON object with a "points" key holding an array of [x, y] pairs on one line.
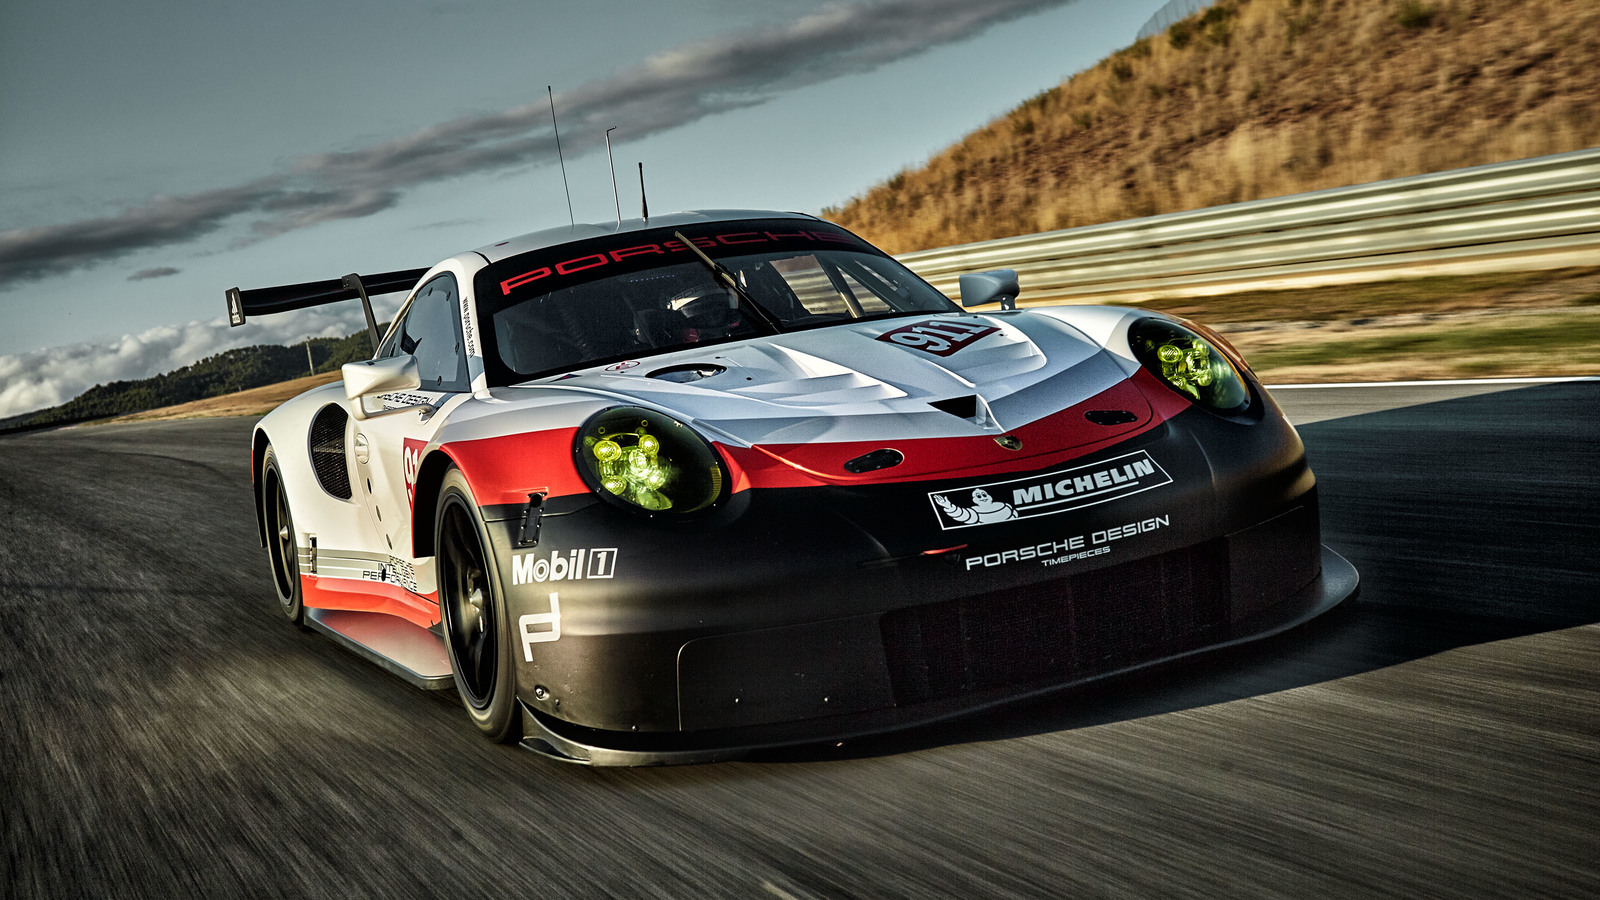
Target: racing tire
{"points": [[283, 551], [473, 613]]}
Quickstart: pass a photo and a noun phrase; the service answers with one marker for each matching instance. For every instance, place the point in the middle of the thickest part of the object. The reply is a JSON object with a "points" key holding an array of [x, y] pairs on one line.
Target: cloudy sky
{"points": [[154, 155]]}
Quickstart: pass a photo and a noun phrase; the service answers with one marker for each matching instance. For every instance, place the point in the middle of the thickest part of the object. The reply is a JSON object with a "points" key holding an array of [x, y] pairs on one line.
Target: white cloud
{"points": [[49, 377], [667, 91]]}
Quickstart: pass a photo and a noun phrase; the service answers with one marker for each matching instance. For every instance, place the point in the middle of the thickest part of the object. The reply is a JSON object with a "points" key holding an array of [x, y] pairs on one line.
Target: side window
{"points": [[431, 331], [826, 288], [810, 285]]}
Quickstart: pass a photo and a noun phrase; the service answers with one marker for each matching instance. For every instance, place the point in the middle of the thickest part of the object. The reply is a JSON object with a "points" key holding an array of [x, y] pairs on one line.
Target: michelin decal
{"points": [[1044, 495], [984, 509]]}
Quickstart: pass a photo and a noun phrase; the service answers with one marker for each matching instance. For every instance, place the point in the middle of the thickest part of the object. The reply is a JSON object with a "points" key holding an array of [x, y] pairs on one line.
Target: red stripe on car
{"points": [[506, 469], [361, 595], [1049, 441]]}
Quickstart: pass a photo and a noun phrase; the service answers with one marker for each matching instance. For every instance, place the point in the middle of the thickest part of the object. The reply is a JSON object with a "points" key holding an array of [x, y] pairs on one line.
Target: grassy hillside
{"points": [[215, 376], [253, 402], [1260, 98]]}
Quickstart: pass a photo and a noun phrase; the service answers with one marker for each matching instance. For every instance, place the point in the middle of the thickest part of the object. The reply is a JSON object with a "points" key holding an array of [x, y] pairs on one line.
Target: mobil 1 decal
{"points": [[941, 337], [534, 567], [1047, 494]]}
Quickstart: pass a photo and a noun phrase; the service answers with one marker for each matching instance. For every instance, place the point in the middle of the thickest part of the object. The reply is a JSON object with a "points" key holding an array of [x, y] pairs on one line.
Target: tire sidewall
{"points": [[292, 605], [498, 718]]}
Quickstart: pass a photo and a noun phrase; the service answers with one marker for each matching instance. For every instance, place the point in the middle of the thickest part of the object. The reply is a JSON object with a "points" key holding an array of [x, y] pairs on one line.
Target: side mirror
{"points": [[988, 287], [379, 376]]}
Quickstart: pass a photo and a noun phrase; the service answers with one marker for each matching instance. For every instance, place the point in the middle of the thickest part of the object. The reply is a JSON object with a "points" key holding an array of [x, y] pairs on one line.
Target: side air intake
{"points": [[328, 452]]}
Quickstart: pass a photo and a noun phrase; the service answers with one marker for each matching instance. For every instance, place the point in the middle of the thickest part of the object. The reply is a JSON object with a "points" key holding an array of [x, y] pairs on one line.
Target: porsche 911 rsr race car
{"points": [[679, 488]]}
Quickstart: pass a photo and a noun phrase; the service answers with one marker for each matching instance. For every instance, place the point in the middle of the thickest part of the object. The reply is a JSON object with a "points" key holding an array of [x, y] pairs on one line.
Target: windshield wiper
{"points": [[732, 283]]}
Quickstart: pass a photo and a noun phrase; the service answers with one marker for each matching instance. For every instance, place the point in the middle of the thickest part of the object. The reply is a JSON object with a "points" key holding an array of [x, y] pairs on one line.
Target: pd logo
{"points": [[411, 461]]}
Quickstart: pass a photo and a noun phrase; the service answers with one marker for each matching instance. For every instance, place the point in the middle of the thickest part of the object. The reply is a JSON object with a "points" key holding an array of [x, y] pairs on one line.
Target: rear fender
{"points": [[258, 454]]}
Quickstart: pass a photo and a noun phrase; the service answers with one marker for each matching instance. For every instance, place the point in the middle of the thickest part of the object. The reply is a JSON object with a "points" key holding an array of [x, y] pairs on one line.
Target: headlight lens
{"points": [[1189, 364], [644, 460]]}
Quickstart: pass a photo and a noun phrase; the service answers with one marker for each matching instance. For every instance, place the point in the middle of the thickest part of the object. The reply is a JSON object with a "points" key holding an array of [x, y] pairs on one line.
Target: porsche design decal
{"points": [[1044, 495], [1069, 549], [404, 399], [940, 337]]}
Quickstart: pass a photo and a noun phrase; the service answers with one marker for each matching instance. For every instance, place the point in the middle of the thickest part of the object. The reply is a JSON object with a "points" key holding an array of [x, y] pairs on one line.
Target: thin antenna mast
{"points": [[614, 198], [644, 202], [571, 219]]}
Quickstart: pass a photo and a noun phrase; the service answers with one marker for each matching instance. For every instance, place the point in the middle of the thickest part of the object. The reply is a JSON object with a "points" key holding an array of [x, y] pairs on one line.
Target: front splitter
{"points": [[1337, 583]]}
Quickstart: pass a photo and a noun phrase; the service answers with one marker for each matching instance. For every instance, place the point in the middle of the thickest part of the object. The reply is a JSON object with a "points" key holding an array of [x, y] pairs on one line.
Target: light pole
{"points": [[614, 198]]}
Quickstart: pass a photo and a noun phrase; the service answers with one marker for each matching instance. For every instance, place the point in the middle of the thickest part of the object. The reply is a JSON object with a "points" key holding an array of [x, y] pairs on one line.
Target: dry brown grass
{"points": [[1434, 298], [254, 402], [1263, 98], [1494, 344]]}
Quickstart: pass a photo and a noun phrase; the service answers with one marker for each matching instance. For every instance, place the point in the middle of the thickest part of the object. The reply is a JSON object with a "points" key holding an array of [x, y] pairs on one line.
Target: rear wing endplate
{"points": [[265, 301]]}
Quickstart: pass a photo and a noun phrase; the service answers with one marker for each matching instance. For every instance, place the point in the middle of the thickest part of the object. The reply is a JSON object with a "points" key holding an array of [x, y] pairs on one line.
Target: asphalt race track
{"points": [[164, 733]]}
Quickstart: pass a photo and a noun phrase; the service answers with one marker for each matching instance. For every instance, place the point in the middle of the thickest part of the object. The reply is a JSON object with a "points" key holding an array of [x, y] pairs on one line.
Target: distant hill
{"points": [[224, 373], [1259, 98]]}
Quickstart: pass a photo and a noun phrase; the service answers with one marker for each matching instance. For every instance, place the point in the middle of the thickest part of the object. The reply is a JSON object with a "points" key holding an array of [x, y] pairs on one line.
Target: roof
{"points": [[550, 237]]}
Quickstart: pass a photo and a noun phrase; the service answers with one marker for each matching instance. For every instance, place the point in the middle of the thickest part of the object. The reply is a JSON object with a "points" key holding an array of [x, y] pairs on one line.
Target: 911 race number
{"points": [[940, 337]]}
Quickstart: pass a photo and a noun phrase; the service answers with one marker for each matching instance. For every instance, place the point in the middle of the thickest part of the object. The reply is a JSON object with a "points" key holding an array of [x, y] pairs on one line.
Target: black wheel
{"points": [[282, 550], [477, 628]]}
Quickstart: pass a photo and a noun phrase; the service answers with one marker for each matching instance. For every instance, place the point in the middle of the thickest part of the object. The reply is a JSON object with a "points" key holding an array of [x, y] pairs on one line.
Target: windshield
{"points": [[642, 293]]}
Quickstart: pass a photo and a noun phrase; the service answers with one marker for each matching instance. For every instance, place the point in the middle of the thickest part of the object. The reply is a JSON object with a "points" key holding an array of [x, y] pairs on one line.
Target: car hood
{"points": [[854, 384]]}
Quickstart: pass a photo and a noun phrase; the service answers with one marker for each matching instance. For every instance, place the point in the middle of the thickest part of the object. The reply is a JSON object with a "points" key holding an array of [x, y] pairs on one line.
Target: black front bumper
{"points": [[801, 615], [1335, 583]]}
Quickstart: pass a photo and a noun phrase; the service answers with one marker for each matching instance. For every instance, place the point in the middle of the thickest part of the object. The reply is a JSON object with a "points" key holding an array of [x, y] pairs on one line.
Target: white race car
{"points": [[678, 488]]}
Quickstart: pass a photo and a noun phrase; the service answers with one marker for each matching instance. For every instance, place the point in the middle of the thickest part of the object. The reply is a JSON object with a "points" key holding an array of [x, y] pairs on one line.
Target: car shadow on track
{"points": [[1471, 520], [1362, 637]]}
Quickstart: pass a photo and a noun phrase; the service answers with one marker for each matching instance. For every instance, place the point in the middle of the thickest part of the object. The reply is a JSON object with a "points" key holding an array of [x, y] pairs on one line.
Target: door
{"points": [[387, 446]]}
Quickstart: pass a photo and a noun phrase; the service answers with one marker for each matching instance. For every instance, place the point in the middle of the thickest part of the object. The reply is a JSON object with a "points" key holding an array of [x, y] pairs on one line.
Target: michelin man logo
{"points": [[984, 509]]}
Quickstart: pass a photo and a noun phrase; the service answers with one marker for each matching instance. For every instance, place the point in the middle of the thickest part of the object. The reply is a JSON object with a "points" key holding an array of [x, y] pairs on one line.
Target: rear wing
{"points": [[265, 301]]}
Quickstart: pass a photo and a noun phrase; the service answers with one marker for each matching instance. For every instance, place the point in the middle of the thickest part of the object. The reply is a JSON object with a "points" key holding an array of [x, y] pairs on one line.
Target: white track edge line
{"points": [[1554, 379]]}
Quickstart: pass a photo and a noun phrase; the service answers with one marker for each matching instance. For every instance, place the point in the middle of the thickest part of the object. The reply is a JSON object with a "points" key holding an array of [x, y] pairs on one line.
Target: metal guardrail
{"points": [[1174, 11], [1528, 214]]}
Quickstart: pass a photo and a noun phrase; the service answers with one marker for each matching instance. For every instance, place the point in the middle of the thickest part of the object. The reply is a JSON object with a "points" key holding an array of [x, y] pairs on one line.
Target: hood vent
{"points": [[960, 407], [1110, 416], [886, 458], [689, 372]]}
